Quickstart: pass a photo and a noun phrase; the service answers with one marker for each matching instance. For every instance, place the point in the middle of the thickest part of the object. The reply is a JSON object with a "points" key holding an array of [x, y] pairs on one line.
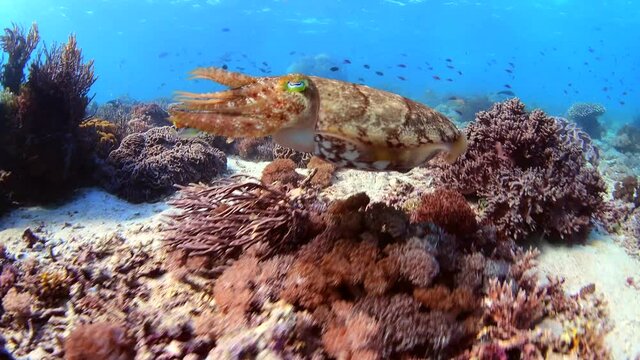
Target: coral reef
{"points": [[570, 133], [627, 139], [98, 137], [147, 166], [586, 116], [39, 143], [530, 175]]}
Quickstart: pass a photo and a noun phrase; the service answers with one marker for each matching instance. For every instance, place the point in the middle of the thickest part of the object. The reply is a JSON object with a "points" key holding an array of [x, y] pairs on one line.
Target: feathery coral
{"points": [[228, 217]]}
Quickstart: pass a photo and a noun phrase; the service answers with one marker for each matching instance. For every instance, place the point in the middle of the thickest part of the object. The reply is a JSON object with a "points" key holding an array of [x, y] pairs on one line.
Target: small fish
{"points": [[240, 68], [188, 133], [334, 68], [605, 89], [263, 70], [624, 93], [506, 92], [224, 66], [448, 60], [458, 112], [265, 63], [225, 30], [449, 79], [292, 52], [402, 65], [163, 54], [379, 73], [566, 92], [621, 102], [542, 53], [459, 72], [450, 67], [512, 65], [366, 66], [430, 67], [452, 98], [360, 79], [436, 77], [347, 61], [509, 71], [507, 86], [591, 50], [401, 78], [570, 84]]}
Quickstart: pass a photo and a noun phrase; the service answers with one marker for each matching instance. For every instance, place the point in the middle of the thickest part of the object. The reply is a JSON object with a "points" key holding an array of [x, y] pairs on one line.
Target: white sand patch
{"points": [[602, 262], [91, 215]]}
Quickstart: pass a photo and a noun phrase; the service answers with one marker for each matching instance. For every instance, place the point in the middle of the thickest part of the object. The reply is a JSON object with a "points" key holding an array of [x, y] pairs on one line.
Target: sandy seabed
{"points": [[93, 215]]}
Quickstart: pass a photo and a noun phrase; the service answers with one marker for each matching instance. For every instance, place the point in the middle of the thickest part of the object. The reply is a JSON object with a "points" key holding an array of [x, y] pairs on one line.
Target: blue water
{"points": [[562, 51]]}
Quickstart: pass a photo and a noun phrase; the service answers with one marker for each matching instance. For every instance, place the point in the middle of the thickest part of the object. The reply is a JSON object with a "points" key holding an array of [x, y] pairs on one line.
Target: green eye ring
{"points": [[296, 86]]}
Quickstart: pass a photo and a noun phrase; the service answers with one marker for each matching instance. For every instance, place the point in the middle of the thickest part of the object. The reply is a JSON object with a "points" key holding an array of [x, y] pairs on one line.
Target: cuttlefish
{"points": [[349, 125]]}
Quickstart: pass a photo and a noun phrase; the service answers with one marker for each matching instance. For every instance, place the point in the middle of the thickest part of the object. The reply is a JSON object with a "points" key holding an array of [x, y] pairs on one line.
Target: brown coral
{"points": [[323, 172], [628, 190], [256, 149], [281, 172], [98, 136], [99, 341], [449, 210]]}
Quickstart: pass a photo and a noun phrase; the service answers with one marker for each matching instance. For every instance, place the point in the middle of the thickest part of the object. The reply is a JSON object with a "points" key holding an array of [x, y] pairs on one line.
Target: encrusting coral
{"points": [[531, 176], [147, 166]]}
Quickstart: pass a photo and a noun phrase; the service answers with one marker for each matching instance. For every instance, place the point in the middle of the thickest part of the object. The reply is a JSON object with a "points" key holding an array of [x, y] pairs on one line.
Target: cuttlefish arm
{"points": [[253, 107]]}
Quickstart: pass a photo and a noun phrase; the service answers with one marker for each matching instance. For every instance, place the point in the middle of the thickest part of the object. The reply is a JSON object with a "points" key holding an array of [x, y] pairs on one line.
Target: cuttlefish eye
{"points": [[296, 86]]}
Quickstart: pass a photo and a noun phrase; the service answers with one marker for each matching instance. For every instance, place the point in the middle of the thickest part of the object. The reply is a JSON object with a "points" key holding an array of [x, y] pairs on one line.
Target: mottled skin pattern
{"points": [[347, 124]]}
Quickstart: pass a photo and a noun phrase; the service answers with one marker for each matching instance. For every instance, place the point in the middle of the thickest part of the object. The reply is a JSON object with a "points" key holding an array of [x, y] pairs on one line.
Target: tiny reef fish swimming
{"points": [[349, 125]]}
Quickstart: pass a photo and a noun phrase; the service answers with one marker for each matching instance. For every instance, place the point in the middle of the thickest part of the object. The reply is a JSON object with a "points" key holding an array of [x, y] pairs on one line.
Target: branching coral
{"points": [[19, 46], [147, 166], [586, 116], [532, 176], [228, 217]]}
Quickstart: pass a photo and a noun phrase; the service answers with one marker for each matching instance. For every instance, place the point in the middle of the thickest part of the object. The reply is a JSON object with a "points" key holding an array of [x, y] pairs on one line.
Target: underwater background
{"points": [[496, 216], [551, 53]]}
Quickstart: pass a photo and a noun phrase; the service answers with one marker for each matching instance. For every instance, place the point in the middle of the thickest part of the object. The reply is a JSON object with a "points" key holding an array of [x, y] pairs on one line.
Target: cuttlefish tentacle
{"points": [[347, 124], [223, 77]]}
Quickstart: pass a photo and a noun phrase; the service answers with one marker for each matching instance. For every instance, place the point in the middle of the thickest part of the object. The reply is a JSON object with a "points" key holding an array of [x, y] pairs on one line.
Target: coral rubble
{"points": [[530, 175]]}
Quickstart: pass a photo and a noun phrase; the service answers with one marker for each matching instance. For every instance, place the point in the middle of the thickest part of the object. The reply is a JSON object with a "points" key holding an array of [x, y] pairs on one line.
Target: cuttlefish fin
{"points": [[224, 77]]}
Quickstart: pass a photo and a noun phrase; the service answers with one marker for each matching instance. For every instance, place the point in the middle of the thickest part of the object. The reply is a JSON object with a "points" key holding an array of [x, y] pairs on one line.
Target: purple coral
{"points": [[533, 175], [147, 166]]}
